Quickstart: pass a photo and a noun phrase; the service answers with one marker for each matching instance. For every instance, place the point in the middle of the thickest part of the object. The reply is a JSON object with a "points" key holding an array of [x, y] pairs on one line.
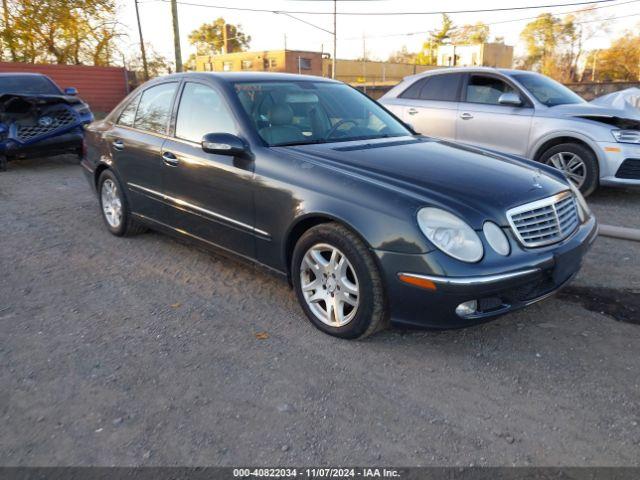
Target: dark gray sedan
{"points": [[307, 177]]}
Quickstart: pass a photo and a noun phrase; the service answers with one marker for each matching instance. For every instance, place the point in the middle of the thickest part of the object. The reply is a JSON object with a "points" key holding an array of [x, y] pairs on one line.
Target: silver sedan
{"points": [[527, 114]]}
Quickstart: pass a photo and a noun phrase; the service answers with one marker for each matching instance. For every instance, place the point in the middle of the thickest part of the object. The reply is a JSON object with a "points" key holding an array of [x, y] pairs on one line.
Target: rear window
{"points": [[443, 88], [154, 109], [29, 84]]}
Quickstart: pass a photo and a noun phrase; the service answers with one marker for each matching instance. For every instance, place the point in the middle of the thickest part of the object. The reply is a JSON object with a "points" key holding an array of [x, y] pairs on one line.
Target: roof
{"points": [[22, 74], [438, 71]]}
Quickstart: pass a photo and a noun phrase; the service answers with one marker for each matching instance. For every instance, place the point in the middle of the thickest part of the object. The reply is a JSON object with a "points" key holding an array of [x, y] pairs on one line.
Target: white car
{"points": [[527, 114]]}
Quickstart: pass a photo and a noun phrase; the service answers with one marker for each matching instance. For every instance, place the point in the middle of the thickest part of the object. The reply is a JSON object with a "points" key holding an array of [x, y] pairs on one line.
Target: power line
{"points": [[507, 21], [449, 12]]}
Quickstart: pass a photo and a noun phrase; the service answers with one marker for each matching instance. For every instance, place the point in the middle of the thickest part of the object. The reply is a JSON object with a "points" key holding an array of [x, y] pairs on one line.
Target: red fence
{"points": [[101, 87]]}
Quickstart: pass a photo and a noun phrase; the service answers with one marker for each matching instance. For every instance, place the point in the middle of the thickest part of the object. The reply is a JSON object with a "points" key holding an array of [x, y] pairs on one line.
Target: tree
{"points": [[209, 38], [436, 38], [60, 31], [471, 34], [402, 56], [543, 38], [621, 61], [157, 64]]}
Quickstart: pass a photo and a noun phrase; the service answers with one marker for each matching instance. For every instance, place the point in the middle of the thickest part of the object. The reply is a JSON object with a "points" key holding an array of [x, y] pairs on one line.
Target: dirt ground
{"points": [[143, 351]]}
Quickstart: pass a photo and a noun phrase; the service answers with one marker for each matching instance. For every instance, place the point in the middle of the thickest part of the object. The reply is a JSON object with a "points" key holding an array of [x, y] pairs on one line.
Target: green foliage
{"points": [[436, 38], [59, 31], [209, 40], [471, 34]]}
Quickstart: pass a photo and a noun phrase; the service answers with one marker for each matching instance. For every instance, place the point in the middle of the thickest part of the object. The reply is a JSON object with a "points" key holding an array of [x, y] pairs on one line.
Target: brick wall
{"points": [[101, 87]]}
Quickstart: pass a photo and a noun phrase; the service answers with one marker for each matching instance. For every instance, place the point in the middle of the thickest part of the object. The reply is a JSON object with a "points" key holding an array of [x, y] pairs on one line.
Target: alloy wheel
{"points": [[111, 204], [329, 285], [572, 165]]}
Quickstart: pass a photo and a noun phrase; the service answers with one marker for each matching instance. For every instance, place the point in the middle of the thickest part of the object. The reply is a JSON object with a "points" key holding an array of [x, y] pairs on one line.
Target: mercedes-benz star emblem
{"points": [[536, 179]]}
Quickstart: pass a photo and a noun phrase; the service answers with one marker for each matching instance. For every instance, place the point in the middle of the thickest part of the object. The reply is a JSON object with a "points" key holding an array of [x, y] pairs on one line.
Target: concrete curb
{"points": [[620, 232]]}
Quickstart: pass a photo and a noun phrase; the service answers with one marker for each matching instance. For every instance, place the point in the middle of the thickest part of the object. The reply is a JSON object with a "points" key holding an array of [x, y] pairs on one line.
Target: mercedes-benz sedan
{"points": [[307, 177]]}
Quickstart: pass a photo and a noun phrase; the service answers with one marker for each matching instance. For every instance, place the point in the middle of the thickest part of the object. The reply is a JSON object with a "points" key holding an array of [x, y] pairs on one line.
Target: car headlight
{"points": [[626, 136], [450, 234], [584, 212]]}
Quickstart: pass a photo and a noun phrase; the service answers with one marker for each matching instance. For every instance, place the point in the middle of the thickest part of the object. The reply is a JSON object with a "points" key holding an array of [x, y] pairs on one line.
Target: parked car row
{"points": [[524, 113], [369, 221]]}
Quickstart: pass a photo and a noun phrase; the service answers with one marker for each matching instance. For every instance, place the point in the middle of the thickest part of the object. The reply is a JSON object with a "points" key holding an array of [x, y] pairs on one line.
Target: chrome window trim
{"points": [[182, 203], [471, 281], [544, 202]]}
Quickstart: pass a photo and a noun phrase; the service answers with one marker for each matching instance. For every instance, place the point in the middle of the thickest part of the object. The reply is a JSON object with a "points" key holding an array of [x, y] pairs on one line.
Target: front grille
{"points": [[629, 169], [545, 221], [57, 118]]}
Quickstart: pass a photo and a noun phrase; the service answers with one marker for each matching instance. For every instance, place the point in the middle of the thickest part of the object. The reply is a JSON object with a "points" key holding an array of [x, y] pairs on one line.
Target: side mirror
{"points": [[224, 144], [510, 98], [71, 91]]}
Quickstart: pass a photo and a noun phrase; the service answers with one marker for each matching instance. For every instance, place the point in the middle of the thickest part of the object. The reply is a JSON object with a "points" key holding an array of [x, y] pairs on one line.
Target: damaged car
{"points": [[526, 114], [37, 118]]}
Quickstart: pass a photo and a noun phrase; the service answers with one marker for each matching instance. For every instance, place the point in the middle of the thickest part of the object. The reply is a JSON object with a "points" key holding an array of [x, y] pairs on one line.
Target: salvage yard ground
{"points": [[145, 351]]}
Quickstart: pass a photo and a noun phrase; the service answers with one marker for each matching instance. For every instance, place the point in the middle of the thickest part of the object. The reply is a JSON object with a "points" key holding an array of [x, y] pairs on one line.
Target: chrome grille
{"points": [[545, 221]]}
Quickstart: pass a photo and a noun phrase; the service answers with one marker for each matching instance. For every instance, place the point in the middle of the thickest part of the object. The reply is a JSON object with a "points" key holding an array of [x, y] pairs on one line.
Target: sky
{"points": [[383, 34]]}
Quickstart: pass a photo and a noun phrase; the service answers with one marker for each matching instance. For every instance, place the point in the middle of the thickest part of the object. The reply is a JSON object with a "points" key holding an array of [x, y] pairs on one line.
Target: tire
{"points": [[4, 162], [125, 225], [564, 153], [358, 270]]}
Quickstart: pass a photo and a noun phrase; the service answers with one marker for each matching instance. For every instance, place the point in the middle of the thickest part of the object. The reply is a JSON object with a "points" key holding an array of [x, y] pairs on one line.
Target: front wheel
{"points": [[337, 282], [577, 162]]}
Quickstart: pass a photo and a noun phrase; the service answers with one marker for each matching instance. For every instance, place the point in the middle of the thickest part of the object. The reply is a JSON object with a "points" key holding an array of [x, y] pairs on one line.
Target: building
{"points": [[291, 61], [496, 55], [355, 72]]}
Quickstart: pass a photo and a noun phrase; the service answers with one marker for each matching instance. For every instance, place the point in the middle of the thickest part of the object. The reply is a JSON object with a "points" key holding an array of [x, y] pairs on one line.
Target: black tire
{"points": [[127, 226], [371, 314], [591, 181]]}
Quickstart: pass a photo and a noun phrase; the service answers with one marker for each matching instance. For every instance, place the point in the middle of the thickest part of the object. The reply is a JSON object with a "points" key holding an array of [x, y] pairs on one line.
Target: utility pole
{"points": [[145, 67], [335, 38], [285, 41], [364, 62], [225, 48], [176, 35]]}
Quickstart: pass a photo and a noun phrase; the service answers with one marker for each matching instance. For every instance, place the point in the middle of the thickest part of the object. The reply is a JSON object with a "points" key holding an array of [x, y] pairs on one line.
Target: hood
{"points": [[476, 183], [9, 100], [621, 118]]}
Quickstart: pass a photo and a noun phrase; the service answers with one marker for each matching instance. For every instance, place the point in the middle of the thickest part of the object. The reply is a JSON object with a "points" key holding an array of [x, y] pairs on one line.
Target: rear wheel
{"points": [[337, 282], [114, 207], [577, 162]]}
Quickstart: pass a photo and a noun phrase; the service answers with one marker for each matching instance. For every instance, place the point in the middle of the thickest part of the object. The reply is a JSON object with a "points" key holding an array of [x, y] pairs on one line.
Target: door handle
{"points": [[412, 111], [466, 116], [118, 145], [170, 159]]}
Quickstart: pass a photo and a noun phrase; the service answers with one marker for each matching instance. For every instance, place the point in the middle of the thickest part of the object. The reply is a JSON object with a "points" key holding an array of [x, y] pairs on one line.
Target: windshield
{"points": [[547, 91], [304, 112], [29, 84]]}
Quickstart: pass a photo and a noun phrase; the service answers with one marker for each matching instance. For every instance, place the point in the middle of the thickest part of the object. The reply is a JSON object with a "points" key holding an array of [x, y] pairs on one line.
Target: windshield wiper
{"points": [[299, 142]]}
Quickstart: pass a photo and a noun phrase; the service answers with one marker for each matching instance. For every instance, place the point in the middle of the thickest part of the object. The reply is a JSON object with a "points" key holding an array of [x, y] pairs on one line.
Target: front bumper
{"points": [[612, 155], [70, 142], [524, 277]]}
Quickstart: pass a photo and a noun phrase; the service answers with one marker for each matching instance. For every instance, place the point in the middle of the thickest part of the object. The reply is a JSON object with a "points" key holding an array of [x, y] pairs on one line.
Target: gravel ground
{"points": [[143, 351]]}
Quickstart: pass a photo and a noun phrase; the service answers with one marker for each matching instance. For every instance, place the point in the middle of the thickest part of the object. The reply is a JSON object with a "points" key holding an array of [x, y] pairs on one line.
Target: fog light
{"points": [[467, 308]]}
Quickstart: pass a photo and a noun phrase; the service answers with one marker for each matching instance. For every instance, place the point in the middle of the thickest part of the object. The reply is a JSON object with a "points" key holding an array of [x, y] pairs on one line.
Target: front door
{"points": [[209, 196], [483, 121]]}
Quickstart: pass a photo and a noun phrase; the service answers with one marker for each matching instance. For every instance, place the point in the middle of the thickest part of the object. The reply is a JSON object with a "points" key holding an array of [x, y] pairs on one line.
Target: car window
{"points": [[298, 112], [29, 84], [487, 90], [202, 110], [441, 87], [547, 91], [155, 108], [128, 113], [414, 90]]}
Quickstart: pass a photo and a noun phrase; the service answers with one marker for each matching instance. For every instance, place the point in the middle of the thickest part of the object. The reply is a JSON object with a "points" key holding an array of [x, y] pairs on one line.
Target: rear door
{"points": [[209, 196], [483, 121], [136, 145], [430, 105]]}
